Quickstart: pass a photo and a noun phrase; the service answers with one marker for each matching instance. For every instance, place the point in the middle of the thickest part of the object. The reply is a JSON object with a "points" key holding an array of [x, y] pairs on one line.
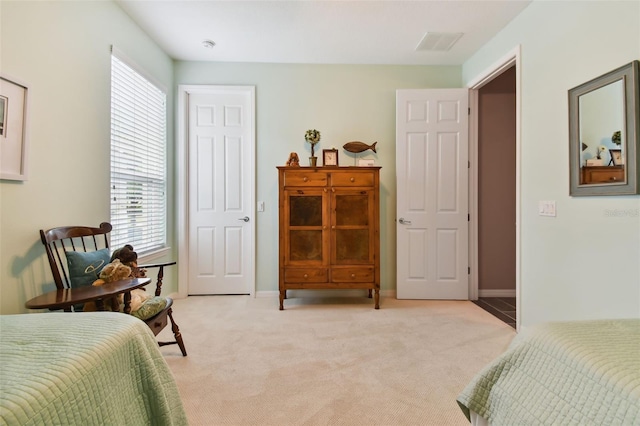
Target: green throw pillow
{"points": [[150, 308], [85, 267]]}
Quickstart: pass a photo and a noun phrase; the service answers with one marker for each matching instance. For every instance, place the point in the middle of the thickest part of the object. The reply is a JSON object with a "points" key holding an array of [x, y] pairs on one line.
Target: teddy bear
{"points": [[138, 297], [294, 160], [111, 272], [116, 271], [128, 257]]}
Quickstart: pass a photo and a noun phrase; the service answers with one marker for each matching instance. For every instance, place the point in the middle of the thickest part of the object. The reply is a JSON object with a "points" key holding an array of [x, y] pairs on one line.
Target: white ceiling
{"points": [[320, 31]]}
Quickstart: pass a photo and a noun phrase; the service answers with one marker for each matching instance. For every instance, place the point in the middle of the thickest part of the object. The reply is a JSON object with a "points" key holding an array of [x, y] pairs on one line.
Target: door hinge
{"points": [[468, 217], [469, 111], [468, 164], [469, 270]]}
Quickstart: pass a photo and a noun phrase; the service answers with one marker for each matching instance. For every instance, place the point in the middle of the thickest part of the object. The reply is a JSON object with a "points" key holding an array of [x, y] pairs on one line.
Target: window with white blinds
{"points": [[138, 160]]}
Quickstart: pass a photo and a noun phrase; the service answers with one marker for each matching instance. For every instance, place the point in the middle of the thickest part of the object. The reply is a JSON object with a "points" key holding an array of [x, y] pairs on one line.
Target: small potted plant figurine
{"points": [[313, 137], [617, 138]]}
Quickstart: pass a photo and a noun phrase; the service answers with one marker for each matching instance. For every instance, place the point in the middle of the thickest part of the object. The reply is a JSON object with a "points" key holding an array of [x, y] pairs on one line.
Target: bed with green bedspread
{"points": [[98, 368], [566, 373]]}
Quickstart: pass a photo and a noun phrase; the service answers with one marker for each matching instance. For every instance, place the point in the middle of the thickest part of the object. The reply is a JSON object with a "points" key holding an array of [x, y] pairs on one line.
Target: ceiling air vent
{"points": [[438, 42]]}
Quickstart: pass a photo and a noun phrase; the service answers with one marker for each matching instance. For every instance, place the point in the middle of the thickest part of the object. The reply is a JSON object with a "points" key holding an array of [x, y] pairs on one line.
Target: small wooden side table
{"points": [[67, 297]]}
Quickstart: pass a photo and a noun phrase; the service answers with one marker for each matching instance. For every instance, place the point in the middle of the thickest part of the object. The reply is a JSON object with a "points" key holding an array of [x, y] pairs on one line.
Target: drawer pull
{"points": [[353, 275], [305, 179], [613, 178], [306, 275], [352, 179]]}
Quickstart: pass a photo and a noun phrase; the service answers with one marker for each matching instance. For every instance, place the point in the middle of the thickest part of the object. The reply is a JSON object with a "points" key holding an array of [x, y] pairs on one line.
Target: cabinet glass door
{"points": [[304, 222], [351, 238]]}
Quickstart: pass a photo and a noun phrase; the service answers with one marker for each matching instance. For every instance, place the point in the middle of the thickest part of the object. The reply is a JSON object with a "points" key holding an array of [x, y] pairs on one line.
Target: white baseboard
{"points": [[359, 293], [497, 293], [174, 296], [269, 293]]}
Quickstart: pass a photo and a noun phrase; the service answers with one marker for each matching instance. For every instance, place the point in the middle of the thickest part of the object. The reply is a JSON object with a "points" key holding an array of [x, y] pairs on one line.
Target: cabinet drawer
{"points": [[158, 323], [357, 275], [603, 176], [352, 179], [307, 275], [304, 178]]}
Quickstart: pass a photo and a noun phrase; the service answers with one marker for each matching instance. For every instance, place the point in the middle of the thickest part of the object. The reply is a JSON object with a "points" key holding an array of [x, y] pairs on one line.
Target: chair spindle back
{"points": [[59, 241]]}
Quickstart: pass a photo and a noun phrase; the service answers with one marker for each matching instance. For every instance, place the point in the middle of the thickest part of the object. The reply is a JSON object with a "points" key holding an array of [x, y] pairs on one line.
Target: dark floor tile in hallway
{"points": [[503, 308]]}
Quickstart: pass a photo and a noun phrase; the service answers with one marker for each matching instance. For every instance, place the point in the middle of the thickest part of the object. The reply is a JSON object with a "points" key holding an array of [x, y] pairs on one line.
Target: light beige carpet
{"points": [[329, 361]]}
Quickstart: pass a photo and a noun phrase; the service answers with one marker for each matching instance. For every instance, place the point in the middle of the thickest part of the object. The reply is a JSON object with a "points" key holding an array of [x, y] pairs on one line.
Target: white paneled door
{"points": [[432, 194], [220, 185]]}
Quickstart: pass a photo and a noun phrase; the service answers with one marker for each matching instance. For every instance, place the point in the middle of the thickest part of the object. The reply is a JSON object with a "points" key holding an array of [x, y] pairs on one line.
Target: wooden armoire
{"points": [[329, 229]]}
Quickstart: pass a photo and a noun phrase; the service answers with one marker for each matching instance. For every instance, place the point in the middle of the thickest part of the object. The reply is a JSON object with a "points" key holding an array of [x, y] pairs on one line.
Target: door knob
{"points": [[404, 222], [244, 219]]}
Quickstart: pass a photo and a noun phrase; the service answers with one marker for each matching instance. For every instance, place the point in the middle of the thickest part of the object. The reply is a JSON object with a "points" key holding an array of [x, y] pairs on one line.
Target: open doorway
{"points": [[497, 197], [494, 191]]}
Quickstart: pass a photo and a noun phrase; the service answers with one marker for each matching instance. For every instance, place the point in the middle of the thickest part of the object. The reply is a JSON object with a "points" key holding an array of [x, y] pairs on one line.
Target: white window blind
{"points": [[138, 160]]}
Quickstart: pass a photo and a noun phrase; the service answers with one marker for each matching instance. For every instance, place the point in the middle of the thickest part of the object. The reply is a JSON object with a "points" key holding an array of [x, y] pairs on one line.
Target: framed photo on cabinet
{"points": [[330, 157], [616, 157]]}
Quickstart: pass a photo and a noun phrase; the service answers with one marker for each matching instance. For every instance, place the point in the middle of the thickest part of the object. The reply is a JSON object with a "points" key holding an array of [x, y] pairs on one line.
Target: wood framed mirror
{"points": [[604, 134]]}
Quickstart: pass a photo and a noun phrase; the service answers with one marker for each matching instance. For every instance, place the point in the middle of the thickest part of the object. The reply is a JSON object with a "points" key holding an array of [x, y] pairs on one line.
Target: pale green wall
{"points": [[581, 264], [344, 102], [62, 51], [584, 263]]}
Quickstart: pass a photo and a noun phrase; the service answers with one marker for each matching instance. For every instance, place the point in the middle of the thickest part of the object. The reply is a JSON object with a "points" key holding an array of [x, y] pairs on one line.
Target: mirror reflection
{"points": [[601, 129], [604, 134]]}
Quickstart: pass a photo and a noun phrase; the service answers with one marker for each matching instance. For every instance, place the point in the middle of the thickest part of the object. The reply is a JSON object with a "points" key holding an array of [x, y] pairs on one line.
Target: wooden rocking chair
{"points": [[75, 242]]}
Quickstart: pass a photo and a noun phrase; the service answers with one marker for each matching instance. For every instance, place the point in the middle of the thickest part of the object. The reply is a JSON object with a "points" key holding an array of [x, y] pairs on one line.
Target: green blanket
{"points": [[571, 373], [98, 368]]}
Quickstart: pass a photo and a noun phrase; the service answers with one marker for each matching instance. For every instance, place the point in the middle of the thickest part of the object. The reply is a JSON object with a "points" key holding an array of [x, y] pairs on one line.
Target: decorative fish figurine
{"points": [[357, 146]]}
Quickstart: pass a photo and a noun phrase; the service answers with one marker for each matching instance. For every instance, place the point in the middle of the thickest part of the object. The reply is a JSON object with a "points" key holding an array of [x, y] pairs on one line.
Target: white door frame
{"points": [[182, 183], [474, 86]]}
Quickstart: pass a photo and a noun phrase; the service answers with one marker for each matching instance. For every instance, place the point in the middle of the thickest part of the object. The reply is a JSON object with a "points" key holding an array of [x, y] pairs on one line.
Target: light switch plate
{"points": [[260, 206], [547, 208]]}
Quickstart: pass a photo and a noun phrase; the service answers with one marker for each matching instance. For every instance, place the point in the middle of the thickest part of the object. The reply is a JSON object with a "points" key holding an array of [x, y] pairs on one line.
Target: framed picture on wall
{"points": [[13, 125], [3, 114], [616, 157]]}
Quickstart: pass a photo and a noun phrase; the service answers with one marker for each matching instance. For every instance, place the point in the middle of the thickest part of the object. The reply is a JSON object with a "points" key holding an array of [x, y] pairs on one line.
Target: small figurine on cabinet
{"points": [[294, 160]]}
